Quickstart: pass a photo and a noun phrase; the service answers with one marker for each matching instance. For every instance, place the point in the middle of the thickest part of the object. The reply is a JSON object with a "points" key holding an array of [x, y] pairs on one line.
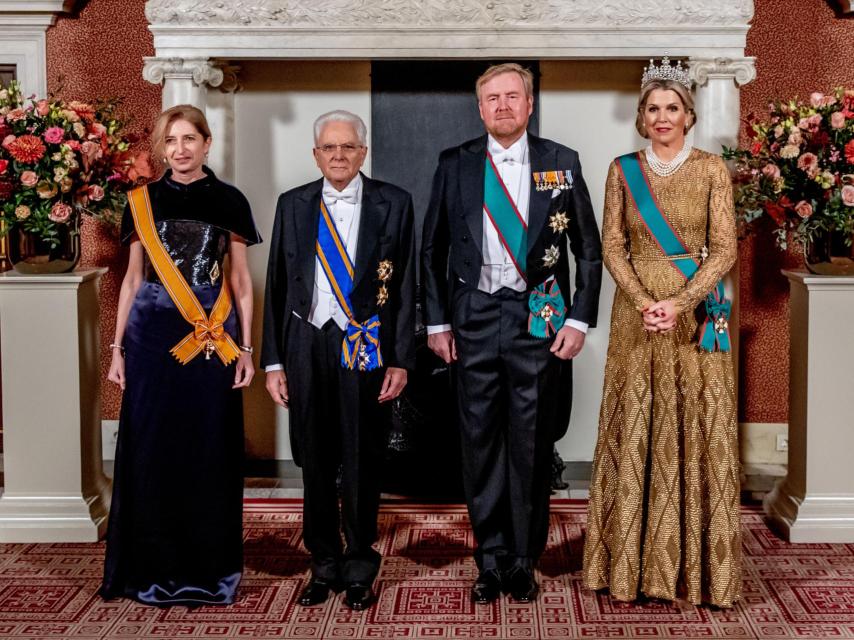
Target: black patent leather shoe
{"points": [[521, 586], [359, 596], [316, 591], [487, 587]]}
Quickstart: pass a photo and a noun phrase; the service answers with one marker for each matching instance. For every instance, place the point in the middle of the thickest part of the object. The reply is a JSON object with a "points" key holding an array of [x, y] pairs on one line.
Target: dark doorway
{"points": [[419, 108]]}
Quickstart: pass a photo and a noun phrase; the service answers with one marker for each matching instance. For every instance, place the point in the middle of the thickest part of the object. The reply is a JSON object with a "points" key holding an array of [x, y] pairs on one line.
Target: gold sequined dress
{"points": [[663, 516]]}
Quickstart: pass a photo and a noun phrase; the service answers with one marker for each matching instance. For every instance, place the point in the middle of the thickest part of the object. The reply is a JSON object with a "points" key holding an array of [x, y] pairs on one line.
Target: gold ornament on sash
{"points": [[551, 257], [559, 222], [214, 272]]}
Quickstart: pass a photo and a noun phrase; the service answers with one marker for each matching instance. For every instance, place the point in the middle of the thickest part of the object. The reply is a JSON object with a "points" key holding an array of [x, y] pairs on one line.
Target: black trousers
{"points": [[335, 420], [507, 393]]}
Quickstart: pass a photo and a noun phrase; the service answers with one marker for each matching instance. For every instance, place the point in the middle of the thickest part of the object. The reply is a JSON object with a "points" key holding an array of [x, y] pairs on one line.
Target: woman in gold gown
{"points": [[663, 515]]}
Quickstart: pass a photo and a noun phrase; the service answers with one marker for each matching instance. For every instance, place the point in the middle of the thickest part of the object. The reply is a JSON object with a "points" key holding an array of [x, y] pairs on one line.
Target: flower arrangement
{"points": [[799, 169], [60, 159]]}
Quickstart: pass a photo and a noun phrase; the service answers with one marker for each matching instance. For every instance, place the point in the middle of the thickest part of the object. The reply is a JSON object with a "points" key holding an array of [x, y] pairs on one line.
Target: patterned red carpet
{"points": [[791, 591]]}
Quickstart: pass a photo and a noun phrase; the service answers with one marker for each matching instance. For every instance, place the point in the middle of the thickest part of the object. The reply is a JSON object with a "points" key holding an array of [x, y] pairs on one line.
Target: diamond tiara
{"points": [[666, 72]]}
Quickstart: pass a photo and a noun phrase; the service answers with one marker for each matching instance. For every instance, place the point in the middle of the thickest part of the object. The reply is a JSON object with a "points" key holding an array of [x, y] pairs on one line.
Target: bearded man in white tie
{"points": [[495, 274], [339, 331]]}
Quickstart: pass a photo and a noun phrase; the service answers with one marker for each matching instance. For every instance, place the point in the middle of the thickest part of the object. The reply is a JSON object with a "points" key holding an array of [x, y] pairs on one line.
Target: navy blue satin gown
{"points": [[175, 527]]}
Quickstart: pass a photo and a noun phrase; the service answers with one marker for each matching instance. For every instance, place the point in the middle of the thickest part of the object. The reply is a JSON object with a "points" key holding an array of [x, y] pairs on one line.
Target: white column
{"points": [[815, 501], [55, 489], [717, 99], [184, 80], [220, 115], [718, 107]]}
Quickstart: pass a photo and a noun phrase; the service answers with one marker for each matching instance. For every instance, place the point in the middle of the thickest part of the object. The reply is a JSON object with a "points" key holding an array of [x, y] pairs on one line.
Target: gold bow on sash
{"points": [[208, 334]]}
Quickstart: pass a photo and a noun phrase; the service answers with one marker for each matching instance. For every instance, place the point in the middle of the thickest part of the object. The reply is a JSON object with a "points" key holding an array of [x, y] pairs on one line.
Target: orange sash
{"points": [[208, 333]]}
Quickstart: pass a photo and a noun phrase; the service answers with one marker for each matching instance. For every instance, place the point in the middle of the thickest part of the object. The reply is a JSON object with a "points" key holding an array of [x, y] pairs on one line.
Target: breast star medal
{"points": [[559, 222], [382, 296], [214, 273], [551, 257], [384, 271]]}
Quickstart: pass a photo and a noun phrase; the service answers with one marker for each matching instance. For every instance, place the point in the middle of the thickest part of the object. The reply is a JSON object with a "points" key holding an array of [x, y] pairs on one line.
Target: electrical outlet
{"points": [[782, 442]]}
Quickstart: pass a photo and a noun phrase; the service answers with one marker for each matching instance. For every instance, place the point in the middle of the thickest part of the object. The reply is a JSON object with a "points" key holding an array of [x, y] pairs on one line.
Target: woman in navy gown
{"points": [[175, 528]]}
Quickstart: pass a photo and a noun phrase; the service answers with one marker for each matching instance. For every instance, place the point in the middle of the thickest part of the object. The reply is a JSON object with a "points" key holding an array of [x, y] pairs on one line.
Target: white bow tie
{"points": [[349, 195], [513, 154]]}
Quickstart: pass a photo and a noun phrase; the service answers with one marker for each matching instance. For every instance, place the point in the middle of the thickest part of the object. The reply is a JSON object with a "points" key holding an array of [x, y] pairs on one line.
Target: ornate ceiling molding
{"points": [[497, 14], [370, 29]]}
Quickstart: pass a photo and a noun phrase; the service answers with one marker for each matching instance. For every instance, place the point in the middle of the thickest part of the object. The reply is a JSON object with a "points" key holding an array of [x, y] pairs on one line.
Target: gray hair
{"points": [[339, 115]]}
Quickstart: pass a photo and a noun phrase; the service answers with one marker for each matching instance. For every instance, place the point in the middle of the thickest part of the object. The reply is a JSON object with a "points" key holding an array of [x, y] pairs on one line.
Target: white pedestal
{"points": [[815, 501], [55, 489]]}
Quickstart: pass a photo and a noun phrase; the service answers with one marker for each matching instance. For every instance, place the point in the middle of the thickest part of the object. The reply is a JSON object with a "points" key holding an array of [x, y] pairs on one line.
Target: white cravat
{"points": [[345, 207]]}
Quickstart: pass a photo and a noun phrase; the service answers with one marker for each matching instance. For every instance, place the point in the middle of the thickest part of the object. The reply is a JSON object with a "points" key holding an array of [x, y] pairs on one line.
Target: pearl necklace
{"points": [[664, 169]]}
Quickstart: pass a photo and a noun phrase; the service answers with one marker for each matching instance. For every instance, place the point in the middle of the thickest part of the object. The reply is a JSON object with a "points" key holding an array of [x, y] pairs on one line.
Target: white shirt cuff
{"points": [[437, 328], [577, 324], [273, 367]]}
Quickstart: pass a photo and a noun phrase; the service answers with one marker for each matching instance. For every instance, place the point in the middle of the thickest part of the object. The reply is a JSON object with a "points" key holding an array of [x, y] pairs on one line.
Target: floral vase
{"points": [[29, 253], [829, 255]]}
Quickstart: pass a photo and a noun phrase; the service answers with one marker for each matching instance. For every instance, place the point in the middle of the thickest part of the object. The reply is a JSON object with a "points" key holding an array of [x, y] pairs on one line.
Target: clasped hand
{"points": [[659, 317]]}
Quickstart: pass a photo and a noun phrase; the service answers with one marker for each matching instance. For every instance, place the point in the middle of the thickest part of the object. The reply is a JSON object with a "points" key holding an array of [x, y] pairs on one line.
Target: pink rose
{"points": [[4, 164], [7, 141], [848, 195], [814, 121], [95, 192], [803, 209], [54, 135], [837, 120], [90, 151], [816, 99], [74, 145], [60, 212], [771, 171], [29, 178], [42, 108], [808, 163]]}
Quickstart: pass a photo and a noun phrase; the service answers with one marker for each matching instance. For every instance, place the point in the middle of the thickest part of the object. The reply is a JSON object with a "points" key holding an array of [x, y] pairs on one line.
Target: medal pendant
{"points": [[209, 349]]}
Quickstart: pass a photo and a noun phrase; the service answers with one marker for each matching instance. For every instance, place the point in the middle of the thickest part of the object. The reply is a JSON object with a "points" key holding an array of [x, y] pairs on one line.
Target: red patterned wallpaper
{"points": [[99, 53], [800, 47]]}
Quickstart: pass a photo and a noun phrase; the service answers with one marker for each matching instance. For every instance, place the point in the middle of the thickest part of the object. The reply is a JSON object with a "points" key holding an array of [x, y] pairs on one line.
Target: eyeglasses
{"points": [[347, 148]]}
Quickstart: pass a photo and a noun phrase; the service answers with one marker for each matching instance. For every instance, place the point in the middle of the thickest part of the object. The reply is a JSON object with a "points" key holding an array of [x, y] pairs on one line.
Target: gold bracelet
{"points": [[246, 348]]}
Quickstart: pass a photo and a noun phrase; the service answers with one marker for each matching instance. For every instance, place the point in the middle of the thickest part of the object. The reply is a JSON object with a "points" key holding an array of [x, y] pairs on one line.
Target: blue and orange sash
{"points": [[361, 346], [505, 217], [714, 332]]}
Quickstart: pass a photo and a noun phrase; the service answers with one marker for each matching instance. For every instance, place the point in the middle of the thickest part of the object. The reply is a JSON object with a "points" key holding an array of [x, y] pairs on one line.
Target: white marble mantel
{"points": [[458, 29], [195, 39]]}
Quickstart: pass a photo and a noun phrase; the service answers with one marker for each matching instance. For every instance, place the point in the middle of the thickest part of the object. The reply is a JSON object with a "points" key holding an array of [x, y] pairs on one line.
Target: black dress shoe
{"points": [[316, 591], [521, 586], [487, 587], [359, 596]]}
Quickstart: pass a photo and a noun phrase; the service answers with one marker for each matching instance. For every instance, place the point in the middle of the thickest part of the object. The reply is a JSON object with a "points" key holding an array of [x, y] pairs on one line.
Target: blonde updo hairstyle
{"points": [[187, 112], [671, 85]]}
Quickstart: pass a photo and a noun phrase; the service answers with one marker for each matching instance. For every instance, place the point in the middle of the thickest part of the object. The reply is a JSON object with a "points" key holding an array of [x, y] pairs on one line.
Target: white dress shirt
{"points": [[345, 207], [498, 270]]}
